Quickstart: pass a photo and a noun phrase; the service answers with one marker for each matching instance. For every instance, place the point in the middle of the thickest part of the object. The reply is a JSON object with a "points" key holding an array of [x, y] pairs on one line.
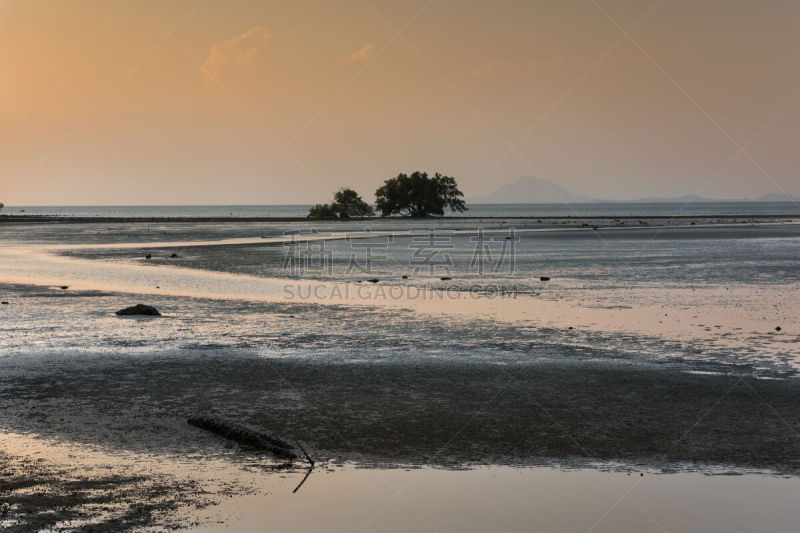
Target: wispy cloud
{"points": [[239, 49], [482, 70], [359, 55]]}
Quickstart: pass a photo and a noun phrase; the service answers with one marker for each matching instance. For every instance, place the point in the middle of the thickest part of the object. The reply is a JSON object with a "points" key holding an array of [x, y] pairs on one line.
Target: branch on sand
{"points": [[244, 435]]}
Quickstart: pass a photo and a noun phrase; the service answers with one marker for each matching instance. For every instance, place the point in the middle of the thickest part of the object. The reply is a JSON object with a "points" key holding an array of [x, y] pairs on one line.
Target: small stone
{"points": [[64, 287], [138, 309], [446, 278], [174, 255], [3, 303], [373, 280], [544, 278], [148, 256], [404, 276], [778, 328]]}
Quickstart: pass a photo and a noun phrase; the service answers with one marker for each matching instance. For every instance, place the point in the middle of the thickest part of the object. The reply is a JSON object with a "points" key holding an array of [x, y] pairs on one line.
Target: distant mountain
{"points": [[686, 199], [693, 198], [530, 190], [784, 197]]}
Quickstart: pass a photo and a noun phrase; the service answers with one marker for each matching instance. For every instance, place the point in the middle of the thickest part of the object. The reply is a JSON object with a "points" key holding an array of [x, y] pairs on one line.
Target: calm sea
{"points": [[475, 210]]}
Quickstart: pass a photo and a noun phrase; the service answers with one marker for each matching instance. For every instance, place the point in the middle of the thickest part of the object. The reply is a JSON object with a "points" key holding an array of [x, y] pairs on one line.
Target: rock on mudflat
{"points": [[138, 309]]}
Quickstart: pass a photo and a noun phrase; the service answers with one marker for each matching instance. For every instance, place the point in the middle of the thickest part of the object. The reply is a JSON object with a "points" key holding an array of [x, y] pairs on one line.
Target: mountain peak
{"points": [[531, 190]]}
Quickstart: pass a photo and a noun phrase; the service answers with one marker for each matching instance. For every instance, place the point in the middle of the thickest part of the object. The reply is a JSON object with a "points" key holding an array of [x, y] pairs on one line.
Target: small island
{"points": [[414, 195]]}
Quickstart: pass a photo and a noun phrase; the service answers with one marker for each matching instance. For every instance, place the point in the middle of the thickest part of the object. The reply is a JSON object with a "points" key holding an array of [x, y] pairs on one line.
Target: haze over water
{"points": [[475, 210]]}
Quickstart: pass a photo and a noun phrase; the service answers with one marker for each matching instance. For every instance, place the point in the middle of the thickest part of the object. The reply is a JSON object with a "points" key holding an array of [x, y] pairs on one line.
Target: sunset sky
{"points": [[266, 102]]}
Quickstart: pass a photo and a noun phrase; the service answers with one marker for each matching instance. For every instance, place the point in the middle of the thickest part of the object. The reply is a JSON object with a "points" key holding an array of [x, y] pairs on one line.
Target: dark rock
{"points": [[174, 255], [148, 256], [446, 278], [778, 328], [64, 287], [373, 280], [3, 303], [404, 276], [544, 278], [138, 309]]}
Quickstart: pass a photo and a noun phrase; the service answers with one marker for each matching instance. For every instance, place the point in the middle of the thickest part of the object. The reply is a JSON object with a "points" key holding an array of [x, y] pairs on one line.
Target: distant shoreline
{"points": [[52, 219]]}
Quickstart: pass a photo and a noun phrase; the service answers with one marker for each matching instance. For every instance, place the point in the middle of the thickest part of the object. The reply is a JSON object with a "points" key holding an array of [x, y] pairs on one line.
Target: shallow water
{"points": [[711, 294], [340, 498], [507, 499], [484, 210], [627, 315]]}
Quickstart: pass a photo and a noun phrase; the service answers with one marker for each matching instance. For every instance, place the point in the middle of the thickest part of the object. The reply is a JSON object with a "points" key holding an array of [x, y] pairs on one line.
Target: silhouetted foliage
{"points": [[349, 204], [418, 195], [346, 203], [322, 211]]}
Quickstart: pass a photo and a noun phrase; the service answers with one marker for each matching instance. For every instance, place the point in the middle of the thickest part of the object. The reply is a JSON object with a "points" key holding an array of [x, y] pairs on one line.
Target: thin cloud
{"points": [[359, 55], [482, 70], [239, 49]]}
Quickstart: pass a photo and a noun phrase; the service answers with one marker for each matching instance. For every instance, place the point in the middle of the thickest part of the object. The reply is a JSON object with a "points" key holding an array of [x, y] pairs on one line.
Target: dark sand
{"points": [[40, 496], [428, 413]]}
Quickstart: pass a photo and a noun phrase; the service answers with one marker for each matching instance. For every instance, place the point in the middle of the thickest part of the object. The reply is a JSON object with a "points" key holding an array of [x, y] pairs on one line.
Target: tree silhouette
{"points": [[346, 203], [349, 204], [418, 195]]}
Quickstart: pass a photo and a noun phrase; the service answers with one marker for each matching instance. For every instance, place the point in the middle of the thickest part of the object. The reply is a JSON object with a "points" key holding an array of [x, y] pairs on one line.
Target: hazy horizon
{"points": [[253, 103]]}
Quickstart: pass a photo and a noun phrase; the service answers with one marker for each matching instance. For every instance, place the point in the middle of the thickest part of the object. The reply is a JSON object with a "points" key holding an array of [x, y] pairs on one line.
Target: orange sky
{"points": [[218, 102]]}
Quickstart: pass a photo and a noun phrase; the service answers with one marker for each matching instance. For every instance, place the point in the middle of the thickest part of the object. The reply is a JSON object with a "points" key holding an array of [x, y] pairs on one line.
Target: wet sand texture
{"points": [[445, 414]]}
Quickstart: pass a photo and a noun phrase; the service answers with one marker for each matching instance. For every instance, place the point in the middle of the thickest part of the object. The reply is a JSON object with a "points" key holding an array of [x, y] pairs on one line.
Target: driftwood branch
{"points": [[308, 473], [244, 435], [310, 467], [308, 457]]}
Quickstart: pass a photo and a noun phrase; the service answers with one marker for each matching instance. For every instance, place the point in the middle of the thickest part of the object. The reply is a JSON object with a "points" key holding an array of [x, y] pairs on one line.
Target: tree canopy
{"points": [[346, 203], [418, 195]]}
